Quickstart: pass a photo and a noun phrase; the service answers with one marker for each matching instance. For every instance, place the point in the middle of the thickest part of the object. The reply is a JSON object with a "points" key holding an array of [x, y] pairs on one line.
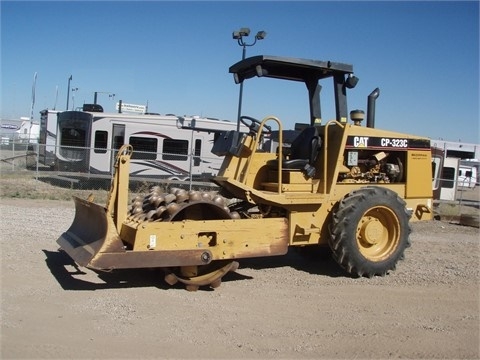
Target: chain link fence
{"points": [[34, 170], [37, 167]]}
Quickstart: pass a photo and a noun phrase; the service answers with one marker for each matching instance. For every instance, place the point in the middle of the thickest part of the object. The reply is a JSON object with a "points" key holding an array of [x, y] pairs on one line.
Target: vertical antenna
{"points": [[56, 97], [33, 104]]}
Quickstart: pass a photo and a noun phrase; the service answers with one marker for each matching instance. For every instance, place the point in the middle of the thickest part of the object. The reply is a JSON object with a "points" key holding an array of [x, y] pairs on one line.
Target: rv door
{"points": [[118, 139], [449, 180], [105, 146]]}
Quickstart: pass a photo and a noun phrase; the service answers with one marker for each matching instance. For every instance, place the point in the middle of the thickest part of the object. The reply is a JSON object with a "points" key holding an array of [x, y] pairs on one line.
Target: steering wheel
{"points": [[254, 124]]}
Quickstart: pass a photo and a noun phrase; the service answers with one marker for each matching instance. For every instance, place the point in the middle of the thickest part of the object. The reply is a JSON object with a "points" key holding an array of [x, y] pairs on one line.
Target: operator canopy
{"points": [[306, 71]]}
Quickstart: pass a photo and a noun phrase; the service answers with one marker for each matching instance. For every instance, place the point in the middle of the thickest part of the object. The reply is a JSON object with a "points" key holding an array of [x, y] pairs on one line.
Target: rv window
{"points": [[448, 178], [198, 152], [175, 149], [73, 137], [117, 142], [143, 148], [101, 141]]}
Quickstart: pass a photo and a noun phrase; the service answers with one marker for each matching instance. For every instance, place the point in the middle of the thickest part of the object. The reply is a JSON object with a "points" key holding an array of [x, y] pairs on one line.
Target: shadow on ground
{"points": [[71, 277]]}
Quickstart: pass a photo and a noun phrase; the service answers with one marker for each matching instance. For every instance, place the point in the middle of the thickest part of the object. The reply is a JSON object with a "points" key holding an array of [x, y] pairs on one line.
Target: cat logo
{"points": [[360, 141]]}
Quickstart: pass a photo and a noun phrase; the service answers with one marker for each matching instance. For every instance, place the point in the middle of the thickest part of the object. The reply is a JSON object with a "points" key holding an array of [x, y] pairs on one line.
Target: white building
{"points": [[29, 131], [459, 150]]}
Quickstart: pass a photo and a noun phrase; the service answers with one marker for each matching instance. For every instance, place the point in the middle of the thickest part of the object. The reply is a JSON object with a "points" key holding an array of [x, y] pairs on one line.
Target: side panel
{"points": [[48, 136], [419, 175], [42, 139]]}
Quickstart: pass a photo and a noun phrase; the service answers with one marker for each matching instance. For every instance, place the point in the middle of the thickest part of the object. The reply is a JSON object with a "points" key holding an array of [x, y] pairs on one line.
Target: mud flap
{"points": [[91, 233]]}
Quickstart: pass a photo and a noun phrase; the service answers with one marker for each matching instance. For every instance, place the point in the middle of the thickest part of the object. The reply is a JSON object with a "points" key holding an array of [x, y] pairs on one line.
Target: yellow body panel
{"points": [[419, 181], [225, 239]]}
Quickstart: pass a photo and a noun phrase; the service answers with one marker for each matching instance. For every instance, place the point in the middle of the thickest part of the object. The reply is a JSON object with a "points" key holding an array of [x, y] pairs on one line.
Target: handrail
{"points": [[325, 153], [280, 154]]}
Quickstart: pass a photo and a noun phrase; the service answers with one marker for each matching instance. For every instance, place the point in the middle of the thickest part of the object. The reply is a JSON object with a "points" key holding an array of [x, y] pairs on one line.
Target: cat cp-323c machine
{"points": [[352, 187]]}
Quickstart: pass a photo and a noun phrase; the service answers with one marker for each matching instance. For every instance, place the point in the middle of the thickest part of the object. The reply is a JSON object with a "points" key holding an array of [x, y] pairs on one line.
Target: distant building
{"points": [[460, 150], [8, 130], [18, 130]]}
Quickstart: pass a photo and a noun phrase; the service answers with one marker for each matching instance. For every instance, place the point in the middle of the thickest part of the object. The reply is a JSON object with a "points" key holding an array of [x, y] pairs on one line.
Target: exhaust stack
{"points": [[371, 107]]}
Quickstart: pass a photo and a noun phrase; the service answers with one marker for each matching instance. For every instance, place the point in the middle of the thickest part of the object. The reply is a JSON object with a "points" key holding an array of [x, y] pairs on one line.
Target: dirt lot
{"points": [[283, 307]]}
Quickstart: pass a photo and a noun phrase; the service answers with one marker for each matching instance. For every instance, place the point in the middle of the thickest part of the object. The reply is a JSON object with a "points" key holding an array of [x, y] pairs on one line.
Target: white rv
{"points": [[164, 146]]}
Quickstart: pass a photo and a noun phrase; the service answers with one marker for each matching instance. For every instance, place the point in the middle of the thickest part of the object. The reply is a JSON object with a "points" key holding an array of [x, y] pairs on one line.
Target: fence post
{"points": [[461, 189], [37, 151], [13, 155]]}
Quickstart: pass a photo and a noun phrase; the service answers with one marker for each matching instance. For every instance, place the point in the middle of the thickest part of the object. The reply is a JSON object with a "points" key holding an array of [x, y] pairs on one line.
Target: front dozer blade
{"points": [[91, 233]]}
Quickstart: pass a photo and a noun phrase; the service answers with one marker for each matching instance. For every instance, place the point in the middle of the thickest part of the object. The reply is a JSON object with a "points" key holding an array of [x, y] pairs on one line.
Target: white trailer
{"points": [[164, 146]]}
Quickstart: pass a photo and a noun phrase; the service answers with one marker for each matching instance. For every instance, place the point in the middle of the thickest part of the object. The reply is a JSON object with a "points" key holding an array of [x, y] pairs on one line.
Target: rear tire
{"points": [[370, 231]]}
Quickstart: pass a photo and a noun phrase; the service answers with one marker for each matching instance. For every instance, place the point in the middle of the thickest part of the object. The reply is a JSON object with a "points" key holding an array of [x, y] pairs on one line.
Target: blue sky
{"points": [[424, 57]]}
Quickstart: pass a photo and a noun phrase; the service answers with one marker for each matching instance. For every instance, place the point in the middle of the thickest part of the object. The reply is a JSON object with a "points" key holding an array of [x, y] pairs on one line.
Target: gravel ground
{"points": [[288, 307]]}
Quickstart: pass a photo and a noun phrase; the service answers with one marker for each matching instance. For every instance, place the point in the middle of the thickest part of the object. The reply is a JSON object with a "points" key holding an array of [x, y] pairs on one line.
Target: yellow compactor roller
{"points": [[340, 184]]}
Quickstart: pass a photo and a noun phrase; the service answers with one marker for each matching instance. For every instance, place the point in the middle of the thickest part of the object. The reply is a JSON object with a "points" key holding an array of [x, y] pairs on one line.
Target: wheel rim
{"points": [[378, 233]]}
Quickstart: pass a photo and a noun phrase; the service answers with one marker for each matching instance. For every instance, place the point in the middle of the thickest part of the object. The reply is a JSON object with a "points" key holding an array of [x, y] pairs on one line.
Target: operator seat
{"points": [[303, 152]]}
